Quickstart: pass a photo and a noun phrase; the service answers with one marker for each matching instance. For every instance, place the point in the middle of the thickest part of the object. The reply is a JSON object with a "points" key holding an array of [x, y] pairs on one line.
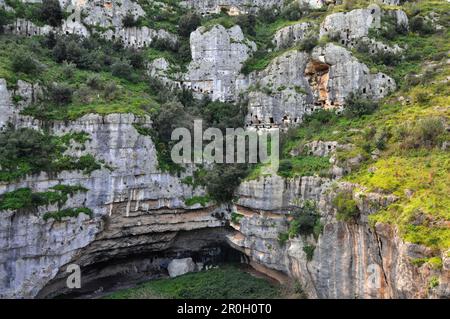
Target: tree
{"points": [[223, 180], [4, 19], [188, 23], [51, 12]]}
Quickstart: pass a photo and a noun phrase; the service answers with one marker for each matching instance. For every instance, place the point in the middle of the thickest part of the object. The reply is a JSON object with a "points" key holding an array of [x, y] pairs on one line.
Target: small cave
{"points": [[317, 74]]}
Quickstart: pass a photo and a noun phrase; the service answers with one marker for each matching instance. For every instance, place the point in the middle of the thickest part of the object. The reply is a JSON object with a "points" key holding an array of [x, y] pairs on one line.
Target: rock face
{"points": [[217, 58], [137, 208], [179, 267], [107, 14], [6, 105], [275, 194], [348, 260], [351, 25], [104, 18]]}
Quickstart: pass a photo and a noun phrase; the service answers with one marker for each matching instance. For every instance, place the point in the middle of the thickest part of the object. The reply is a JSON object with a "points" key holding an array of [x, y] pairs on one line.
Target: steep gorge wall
{"points": [[350, 259], [136, 207], [139, 209]]}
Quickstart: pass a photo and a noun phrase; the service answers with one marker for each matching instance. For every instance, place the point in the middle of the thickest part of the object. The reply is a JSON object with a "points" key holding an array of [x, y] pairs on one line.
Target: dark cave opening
{"points": [[208, 247]]}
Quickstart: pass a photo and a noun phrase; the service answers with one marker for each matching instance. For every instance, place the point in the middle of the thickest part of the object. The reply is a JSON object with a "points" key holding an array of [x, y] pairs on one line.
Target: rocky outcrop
{"points": [[276, 194], [351, 25], [351, 29], [217, 57], [348, 260], [103, 18], [237, 7], [179, 267], [108, 14], [295, 84], [280, 95], [334, 73]]}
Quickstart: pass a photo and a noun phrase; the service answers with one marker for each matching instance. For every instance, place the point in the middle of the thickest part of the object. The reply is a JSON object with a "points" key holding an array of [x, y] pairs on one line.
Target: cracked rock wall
{"points": [[350, 259]]}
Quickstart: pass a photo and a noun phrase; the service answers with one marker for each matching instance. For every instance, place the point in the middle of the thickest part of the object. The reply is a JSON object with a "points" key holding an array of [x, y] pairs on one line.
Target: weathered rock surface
{"points": [[137, 208], [291, 35], [105, 18], [234, 7], [275, 194], [351, 25], [179, 267]]}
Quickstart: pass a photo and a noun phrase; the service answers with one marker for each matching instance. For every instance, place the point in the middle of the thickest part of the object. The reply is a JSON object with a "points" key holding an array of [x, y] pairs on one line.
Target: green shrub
{"points": [[123, 69], [292, 12], [309, 43], [27, 151], [247, 22], [434, 282], [283, 238], [346, 207], [306, 221], [95, 82], [223, 180], [24, 198], [426, 133], [51, 12], [4, 19]]}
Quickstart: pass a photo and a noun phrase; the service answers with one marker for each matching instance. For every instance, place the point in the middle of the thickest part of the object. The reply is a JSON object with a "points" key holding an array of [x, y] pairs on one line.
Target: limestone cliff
{"points": [[136, 207], [140, 217], [350, 260]]}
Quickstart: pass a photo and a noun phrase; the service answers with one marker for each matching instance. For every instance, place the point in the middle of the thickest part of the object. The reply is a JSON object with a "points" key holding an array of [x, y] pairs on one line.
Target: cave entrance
{"points": [[317, 73], [106, 274]]}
